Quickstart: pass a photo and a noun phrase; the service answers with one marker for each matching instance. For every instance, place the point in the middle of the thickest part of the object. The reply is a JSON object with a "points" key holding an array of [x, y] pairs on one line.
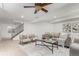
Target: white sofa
{"points": [[27, 38]]}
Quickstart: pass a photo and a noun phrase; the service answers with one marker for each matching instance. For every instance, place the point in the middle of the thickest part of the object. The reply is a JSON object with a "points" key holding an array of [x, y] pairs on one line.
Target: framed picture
{"points": [[67, 27], [75, 27]]}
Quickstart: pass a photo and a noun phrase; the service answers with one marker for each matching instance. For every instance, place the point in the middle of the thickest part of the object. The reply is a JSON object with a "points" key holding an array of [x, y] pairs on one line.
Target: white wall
{"points": [[4, 31], [37, 29], [58, 27], [0, 32]]}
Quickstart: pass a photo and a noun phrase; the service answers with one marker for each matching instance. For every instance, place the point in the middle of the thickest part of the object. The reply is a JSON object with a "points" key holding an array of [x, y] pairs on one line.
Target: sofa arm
{"points": [[74, 49]]}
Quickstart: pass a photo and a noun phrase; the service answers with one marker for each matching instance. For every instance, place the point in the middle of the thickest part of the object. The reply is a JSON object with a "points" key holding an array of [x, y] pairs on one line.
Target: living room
{"points": [[39, 29]]}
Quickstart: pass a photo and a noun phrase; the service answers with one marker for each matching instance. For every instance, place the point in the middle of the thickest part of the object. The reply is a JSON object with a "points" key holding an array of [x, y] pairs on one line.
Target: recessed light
{"points": [[55, 17], [22, 16]]}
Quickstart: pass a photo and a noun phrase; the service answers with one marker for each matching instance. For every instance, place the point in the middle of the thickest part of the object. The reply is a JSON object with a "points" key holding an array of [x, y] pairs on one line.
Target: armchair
{"points": [[64, 40], [48, 40], [27, 38], [74, 48]]}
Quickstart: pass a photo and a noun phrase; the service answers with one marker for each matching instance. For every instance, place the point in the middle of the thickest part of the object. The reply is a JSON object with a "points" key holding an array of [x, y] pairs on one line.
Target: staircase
{"points": [[16, 30], [16, 34]]}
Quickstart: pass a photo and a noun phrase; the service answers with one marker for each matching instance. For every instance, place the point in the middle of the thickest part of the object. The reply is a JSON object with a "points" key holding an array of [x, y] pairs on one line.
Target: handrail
{"points": [[17, 30], [16, 34]]}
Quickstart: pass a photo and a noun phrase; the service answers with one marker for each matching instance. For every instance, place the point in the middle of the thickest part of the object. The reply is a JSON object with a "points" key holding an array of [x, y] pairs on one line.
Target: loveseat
{"points": [[27, 38]]}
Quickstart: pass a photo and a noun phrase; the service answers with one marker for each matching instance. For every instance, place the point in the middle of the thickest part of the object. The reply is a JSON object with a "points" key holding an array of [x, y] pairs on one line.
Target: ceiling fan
{"points": [[38, 7]]}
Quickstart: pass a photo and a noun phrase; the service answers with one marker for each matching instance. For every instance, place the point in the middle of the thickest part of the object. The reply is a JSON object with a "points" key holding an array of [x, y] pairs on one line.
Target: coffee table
{"points": [[51, 42]]}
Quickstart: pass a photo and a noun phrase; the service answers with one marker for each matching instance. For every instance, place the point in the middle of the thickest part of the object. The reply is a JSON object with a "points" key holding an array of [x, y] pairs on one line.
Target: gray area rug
{"points": [[33, 50]]}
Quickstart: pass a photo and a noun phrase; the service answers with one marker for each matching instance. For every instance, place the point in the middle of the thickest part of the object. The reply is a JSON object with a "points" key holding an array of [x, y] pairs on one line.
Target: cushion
{"points": [[56, 35], [76, 40]]}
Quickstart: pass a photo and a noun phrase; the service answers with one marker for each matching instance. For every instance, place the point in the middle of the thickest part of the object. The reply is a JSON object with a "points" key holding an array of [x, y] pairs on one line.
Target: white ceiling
{"points": [[11, 12]]}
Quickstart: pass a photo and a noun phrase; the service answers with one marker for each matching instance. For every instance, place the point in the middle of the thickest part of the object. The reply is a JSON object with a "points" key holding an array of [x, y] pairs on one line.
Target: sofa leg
{"points": [[52, 48]]}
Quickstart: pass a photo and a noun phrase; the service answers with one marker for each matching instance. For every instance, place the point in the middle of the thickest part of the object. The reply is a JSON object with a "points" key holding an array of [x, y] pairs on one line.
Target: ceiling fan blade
{"points": [[29, 6], [35, 11], [37, 4], [45, 4], [42, 4], [44, 10]]}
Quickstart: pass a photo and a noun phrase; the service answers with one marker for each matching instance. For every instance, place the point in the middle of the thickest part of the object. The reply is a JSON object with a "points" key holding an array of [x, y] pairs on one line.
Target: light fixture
{"points": [[22, 16], [55, 17]]}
